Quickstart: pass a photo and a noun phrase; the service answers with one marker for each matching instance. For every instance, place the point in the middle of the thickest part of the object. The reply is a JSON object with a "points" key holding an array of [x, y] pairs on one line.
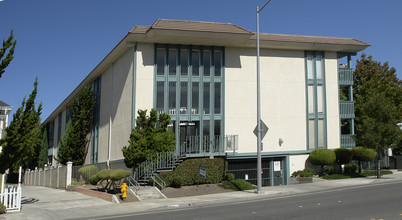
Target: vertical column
{"points": [[69, 173]]}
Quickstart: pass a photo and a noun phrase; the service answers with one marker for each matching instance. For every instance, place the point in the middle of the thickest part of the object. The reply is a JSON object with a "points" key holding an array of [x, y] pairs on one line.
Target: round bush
{"points": [[104, 174], [119, 174], [343, 155], [229, 177], [330, 170], [322, 157], [93, 180], [363, 154]]}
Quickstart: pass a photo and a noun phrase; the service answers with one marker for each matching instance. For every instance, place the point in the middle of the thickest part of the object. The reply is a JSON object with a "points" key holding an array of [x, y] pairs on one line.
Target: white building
{"points": [[204, 75]]}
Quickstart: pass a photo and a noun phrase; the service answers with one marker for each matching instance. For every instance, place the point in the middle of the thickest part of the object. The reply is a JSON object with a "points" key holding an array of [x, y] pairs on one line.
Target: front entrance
{"points": [[189, 139]]}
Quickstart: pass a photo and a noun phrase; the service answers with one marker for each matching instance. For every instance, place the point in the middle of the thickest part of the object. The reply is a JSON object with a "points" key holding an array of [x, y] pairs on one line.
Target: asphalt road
{"points": [[372, 202]]}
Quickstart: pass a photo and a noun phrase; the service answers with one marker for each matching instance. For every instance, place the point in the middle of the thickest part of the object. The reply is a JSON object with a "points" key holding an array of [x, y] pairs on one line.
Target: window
{"points": [[189, 86], [316, 102]]}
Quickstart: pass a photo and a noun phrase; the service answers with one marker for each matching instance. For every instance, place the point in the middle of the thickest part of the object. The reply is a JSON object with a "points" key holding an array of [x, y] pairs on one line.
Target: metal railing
{"points": [[218, 144], [159, 182], [346, 109], [345, 76], [347, 141], [133, 183]]}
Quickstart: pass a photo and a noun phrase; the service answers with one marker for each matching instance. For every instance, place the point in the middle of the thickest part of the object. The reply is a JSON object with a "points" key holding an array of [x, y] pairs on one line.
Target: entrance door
{"points": [[188, 137]]}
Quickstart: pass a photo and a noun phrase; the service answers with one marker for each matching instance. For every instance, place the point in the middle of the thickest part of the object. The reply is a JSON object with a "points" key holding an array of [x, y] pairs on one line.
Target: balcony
{"points": [[346, 109], [201, 146], [345, 76], [347, 141]]}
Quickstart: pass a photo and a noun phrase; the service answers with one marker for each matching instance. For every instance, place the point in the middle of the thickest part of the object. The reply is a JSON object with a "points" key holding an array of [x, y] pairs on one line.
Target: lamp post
{"points": [[259, 169]]}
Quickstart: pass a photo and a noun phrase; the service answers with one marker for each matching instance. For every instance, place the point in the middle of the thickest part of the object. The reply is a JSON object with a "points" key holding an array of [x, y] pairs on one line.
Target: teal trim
{"points": [[271, 173], [287, 174], [267, 154], [316, 116], [134, 85]]}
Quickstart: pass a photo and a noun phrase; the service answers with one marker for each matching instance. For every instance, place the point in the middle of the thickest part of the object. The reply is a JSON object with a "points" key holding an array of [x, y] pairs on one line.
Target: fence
{"points": [[58, 177], [11, 198]]}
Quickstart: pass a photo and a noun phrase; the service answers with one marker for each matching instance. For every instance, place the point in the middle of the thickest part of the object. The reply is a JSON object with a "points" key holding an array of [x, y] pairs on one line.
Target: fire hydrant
{"points": [[124, 189]]}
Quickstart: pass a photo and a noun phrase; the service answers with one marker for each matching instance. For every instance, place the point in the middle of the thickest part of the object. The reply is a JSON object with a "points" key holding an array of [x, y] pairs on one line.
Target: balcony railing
{"points": [[347, 141], [205, 145], [345, 76], [346, 109]]}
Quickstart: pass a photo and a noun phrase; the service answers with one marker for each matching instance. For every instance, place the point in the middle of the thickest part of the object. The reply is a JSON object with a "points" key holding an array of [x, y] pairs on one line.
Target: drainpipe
{"points": [[110, 126]]}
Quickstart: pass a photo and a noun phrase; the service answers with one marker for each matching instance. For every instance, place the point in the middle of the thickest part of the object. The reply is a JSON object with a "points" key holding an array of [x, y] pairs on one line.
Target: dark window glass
{"points": [[172, 98], [218, 62], [183, 97], [195, 62], [217, 98], [207, 98], [160, 61], [160, 91], [184, 56], [207, 63], [172, 61], [195, 98]]}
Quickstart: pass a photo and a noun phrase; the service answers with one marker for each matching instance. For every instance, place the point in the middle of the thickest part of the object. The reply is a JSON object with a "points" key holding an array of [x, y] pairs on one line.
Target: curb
{"points": [[96, 194]]}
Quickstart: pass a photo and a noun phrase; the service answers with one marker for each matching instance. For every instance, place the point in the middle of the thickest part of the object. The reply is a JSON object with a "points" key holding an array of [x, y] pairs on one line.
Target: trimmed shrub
{"points": [[189, 170], [76, 182], [307, 172], [93, 180], [2, 208], [119, 174], [238, 185], [167, 177], [374, 172], [104, 174], [362, 154], [229, 177], [88, 171], [330, 171], [177, 181], [322, 157], [343, 156], [350, 169]]}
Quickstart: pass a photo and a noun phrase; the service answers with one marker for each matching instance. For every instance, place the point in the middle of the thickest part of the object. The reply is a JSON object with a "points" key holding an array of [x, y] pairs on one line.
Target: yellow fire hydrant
{"points": [[124, 189]]}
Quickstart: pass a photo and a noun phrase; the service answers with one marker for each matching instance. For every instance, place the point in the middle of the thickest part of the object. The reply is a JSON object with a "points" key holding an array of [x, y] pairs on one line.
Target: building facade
{"points": [[203, 74]]}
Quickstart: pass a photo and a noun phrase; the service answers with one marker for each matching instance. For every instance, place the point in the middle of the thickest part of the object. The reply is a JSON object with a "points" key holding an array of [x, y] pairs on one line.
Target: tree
{"points": [[322, 157], [22, 143], [150, 135], [343, 156], [378, 104], [73, 145], [42, 160], [362, 154], [9, 43]]}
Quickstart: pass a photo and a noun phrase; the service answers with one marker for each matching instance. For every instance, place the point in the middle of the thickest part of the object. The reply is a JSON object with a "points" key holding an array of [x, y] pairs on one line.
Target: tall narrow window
{"points": [[184, 57], [217, 98], [172, 98], [183, 98], [207, 63], [195, 98], [207, 98], [96, 120], [172, 61], [218, 63], [160, 61], [160, 99], [195, 62], [316, 104]]}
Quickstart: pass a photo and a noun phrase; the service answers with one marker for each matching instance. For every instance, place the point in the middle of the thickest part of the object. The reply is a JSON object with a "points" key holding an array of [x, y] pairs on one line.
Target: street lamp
{"points": [[259, 170]]}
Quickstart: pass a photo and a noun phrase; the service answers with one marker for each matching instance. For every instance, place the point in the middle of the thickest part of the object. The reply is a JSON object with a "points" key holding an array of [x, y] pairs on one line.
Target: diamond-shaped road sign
{"points": [[264, 129]]}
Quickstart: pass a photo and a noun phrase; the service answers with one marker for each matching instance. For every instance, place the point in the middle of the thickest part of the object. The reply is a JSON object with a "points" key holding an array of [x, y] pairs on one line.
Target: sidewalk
{"points": [[46, 203]]}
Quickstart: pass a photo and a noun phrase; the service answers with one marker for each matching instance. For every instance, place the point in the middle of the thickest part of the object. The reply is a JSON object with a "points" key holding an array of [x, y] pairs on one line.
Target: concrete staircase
{"points": [[148, 193]]}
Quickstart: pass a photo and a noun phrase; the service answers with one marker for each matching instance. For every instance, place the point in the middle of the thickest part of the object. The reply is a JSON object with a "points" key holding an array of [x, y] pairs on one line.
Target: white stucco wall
{"points": [[332, 94], [283, 103], [145, 77], [297, 162]]}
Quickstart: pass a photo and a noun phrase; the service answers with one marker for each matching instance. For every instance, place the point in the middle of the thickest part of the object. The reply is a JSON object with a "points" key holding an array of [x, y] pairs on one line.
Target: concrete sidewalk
{"points": [[46, 203]]}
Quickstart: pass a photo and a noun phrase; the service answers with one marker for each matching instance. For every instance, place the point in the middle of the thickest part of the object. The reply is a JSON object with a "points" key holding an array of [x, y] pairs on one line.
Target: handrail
{"points": [[132, 182], [162, 184]]}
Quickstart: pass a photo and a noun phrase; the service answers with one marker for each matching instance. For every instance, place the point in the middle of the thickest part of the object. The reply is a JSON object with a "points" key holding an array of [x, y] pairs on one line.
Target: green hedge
{"points": [[238, 185], [2, 209], [187, 173], [88, 171]]}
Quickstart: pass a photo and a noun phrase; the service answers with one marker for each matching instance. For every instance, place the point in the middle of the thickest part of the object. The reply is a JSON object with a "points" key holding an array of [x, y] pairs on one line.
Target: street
{"points": [[377, 201]]}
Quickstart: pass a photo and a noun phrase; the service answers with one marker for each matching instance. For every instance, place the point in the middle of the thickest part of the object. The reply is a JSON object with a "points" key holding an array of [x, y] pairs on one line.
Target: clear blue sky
{"points": [[60, 42]]}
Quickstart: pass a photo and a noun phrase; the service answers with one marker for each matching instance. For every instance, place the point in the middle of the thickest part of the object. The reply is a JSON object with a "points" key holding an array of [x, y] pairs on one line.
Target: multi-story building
{"points": [[204, 75]]}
